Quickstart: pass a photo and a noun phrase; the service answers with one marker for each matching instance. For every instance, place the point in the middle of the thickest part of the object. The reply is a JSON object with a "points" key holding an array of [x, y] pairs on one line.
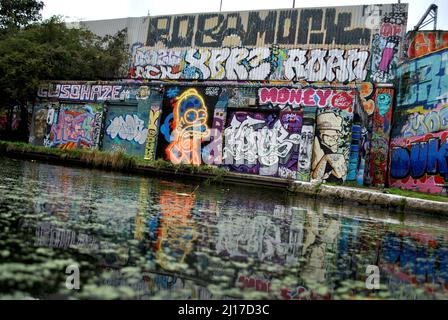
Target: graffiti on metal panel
{"points": [[425, 42], [129, 127], [153, 129], [185, 123], [262, 143], [381, 129], [212, 152], [301, 27], [241, 63], [39, 125], [75, 128], [423, 81], [421, 121], [332, 139], [294, 98], [386, 45], [81, 92], [306, 148], [420, 163]]}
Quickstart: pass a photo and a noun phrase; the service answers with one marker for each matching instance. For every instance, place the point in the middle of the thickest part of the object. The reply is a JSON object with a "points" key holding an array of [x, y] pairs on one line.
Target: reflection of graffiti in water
{"points": [[176, 231], [260, 236], [417, 259]]}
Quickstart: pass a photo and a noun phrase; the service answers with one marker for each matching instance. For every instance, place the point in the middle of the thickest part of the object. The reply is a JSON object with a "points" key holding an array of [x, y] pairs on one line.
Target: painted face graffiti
{"points": [[328, 165], [384, 102], [306, 145]]}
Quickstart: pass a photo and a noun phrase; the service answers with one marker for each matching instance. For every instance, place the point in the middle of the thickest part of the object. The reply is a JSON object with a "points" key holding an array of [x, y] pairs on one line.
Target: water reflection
{"points": [[142, 238]]}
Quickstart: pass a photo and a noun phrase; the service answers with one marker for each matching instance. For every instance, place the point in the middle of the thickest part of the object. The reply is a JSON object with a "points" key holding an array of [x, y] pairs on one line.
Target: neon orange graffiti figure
{"points": [[190, 127]]}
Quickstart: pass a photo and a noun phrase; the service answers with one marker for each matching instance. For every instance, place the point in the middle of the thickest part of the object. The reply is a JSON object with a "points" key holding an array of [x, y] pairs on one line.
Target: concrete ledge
{"points": [[354, 196]]}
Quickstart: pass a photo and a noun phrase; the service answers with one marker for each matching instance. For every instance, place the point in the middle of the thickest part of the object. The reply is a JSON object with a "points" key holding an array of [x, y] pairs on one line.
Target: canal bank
{"points": [[381, 198]]}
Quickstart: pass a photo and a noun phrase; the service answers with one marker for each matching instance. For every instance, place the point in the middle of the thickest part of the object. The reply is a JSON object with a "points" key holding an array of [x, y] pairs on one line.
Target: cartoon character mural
{"points": [[186, 122]]}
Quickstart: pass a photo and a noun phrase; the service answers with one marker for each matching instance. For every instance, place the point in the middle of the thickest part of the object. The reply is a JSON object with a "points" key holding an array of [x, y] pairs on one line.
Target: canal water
{"points": [[135, 237]]}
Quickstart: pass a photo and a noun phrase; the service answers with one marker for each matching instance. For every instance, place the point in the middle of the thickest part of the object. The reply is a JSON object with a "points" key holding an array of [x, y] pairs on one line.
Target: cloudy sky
{"points": [[74, 10]]}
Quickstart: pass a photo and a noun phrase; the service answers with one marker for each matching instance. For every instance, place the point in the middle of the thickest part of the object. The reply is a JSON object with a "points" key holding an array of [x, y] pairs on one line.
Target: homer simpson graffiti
{"points": [[328, 165], [190, 121]]}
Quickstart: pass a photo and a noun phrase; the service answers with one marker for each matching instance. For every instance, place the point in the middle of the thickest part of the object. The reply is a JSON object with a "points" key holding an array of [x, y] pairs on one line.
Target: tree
{"points": [[15, 14], [51, 51]]}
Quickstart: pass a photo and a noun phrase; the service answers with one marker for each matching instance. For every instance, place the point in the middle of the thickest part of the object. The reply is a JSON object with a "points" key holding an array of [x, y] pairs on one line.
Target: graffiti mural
{"points": [[381, 128], [421, 43], [186, 122], [39, 127], [262, 143], [418, 137], [244, 63], [80, 92], [423, 81], [420, 163], [76, 126], [386, 46], [306, 145], [125, 130], [153, 129], [348, 25], [331, 146]]}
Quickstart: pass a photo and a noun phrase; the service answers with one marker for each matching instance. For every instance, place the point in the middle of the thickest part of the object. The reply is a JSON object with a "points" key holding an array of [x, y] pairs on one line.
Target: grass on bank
{"points": [[122, 161], [109, 160]]}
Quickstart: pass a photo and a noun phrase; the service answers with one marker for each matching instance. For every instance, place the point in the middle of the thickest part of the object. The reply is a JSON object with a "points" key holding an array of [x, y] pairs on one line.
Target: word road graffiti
{"points": [[241, 63]]}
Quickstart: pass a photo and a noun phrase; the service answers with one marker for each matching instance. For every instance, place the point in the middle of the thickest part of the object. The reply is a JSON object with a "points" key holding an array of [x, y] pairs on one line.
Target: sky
{"points": [[75, 10]]}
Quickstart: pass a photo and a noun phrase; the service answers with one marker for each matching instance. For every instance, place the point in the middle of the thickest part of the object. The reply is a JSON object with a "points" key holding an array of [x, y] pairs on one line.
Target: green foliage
{"points": [[15, 14], [51, 51]]}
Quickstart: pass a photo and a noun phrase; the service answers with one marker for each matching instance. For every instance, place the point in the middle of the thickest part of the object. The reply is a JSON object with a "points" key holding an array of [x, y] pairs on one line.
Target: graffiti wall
{"points": [[74, 126], [191, 125], [302, 133], [387, 43], [381, 128], [420, 43], [316, 44], [131, 128], [331, 146], [418, 146]]}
